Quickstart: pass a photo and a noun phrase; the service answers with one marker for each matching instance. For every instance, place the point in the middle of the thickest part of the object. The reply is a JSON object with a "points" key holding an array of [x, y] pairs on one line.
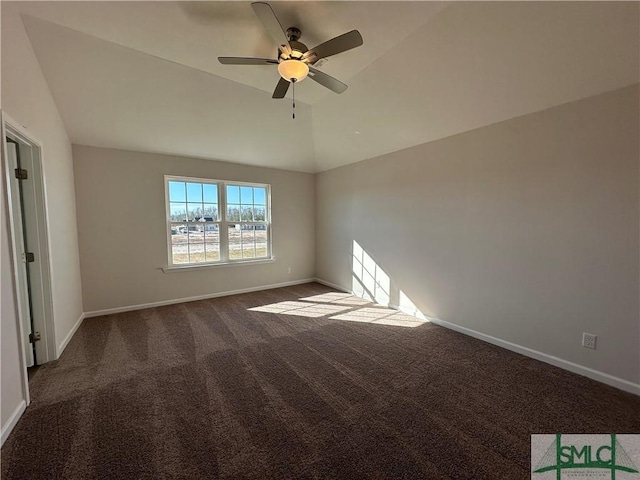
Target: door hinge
{"points": [[21, 174], [28, 257], [34, 337]]}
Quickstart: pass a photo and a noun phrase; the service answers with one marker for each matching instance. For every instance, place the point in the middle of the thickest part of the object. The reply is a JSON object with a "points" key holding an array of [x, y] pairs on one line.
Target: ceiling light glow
{"points": [[293, 70]]}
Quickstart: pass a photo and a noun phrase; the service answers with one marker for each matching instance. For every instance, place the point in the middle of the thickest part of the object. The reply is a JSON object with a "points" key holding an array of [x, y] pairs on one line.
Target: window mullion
{"points": [[224, 239], [168, 214], [267, 217]]}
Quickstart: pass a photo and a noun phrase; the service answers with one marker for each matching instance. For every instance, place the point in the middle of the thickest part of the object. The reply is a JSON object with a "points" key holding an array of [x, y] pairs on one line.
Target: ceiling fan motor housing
{"points": [[297, 48]]}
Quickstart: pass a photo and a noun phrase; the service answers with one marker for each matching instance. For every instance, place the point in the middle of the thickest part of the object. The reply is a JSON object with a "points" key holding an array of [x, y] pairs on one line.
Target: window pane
{"points": [[210, 212], [247, 214], [194, 212], [194, 192], [259, 195], [235, 242], [196, 244], [261, 241], [179, 240], [211, 232], [233, 213], [233, 194], [259, 214], [212, 242], [248, 241], [212, 252], [196, 253], [210, 193], [178, 212], [177, 192], [246, 195]]}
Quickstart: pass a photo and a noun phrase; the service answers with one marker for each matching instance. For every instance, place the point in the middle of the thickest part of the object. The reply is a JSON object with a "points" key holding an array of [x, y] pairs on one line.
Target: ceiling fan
{"points": [[294, 60]]}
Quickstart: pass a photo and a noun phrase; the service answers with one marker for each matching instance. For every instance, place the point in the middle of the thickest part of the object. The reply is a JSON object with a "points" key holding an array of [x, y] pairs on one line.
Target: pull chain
{"points": [[293, 82]]}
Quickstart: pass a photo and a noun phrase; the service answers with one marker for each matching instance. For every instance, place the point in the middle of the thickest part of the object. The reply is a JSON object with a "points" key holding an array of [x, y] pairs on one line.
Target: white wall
{"points": [[122, 228], [26, 98], [525, 230]]}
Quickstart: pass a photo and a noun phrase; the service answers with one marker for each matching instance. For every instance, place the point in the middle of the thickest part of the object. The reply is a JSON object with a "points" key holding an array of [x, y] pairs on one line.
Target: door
{"points": [[23, 171], [26, 256]]}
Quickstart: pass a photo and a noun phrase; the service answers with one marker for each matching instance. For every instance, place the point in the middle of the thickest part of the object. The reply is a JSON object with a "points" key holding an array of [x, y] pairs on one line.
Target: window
{"points": [[212, 221]]}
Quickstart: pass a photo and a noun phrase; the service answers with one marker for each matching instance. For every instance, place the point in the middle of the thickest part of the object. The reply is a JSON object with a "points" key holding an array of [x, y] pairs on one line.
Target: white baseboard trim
{"points": [[332, 285], [11, 422], [620, 383], [67, 339], [109, 311]]}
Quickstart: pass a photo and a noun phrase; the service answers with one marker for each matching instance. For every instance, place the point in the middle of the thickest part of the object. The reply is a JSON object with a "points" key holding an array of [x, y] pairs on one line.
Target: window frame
{"points": [[222, 222]]}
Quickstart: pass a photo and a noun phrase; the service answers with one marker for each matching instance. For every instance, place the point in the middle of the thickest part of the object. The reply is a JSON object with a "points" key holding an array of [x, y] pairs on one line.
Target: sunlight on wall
{"points": [[369, 280], [407, 306]]}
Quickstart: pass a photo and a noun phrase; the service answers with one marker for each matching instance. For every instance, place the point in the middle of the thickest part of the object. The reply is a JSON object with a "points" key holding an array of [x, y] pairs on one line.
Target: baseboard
{"points": [[543, 357], [11, 422], [332, 285], [109, 311], [67, 339]]}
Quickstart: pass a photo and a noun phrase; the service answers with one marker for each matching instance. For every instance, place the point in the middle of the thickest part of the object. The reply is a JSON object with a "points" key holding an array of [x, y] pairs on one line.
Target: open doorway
{"points": [[30, 246]]}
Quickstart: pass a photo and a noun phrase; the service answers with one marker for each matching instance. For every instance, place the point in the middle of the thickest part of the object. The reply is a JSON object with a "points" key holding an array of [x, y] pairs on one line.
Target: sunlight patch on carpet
{"points": [[337, 298], [302, 309], [380, 316]]}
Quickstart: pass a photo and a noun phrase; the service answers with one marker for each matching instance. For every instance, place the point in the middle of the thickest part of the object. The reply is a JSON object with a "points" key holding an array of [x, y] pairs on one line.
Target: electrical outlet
{"points": [[589, 340], [289, 270]]}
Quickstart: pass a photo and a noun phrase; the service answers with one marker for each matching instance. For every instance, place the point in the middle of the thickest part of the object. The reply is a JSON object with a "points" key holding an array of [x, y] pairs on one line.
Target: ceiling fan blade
{"points": [[271, 23], [281, 89], [246, 61], [327, 80], [340, 44]]}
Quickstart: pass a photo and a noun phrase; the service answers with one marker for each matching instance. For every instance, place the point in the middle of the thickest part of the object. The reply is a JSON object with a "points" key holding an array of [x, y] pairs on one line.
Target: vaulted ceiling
{"points": [[145, 76]]}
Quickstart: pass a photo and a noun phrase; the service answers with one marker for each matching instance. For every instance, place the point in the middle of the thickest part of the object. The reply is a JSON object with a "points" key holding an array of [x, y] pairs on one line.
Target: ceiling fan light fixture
{"points": [[293, 70]]}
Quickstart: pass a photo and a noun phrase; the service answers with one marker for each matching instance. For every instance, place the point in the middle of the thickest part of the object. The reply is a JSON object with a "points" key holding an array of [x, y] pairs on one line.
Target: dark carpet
{"points": [[213, 390]]}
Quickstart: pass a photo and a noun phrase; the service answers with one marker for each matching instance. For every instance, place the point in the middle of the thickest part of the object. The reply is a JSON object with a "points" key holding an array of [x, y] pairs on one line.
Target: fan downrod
{"points": [[293, 34]]}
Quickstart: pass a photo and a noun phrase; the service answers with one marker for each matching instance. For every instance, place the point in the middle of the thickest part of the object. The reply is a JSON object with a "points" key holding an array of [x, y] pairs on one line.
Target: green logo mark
{"points": [[610, 457]]}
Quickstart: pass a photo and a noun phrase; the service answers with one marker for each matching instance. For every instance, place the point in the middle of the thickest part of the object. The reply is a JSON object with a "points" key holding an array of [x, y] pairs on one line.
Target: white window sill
{"points": [[184, 268]]}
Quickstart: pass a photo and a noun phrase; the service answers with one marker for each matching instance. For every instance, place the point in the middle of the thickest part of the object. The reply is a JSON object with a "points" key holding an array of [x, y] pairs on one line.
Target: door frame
{"points": [[41, 245]]}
